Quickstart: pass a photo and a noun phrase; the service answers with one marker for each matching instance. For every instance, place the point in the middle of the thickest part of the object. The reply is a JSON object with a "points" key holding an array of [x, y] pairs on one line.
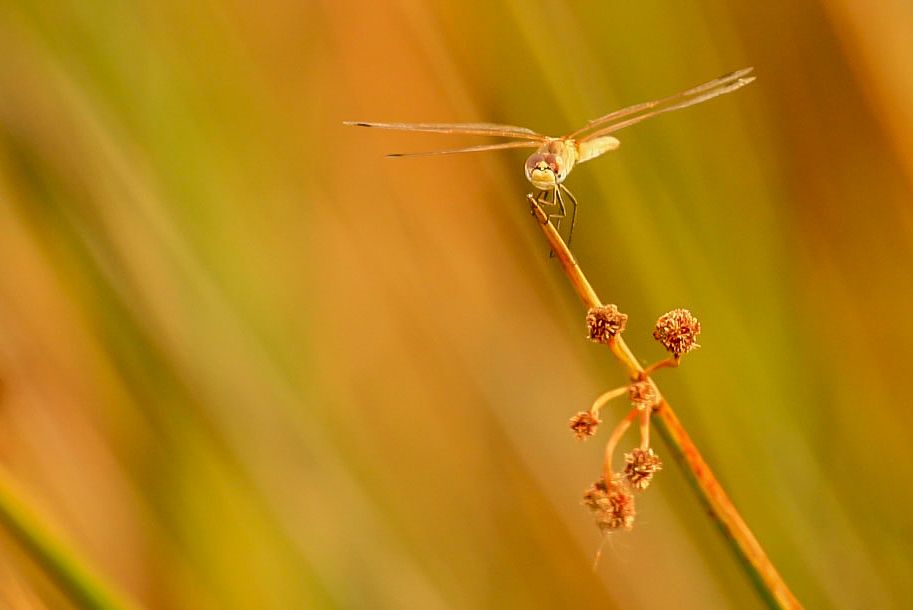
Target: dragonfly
{"points": [[548, 167]]}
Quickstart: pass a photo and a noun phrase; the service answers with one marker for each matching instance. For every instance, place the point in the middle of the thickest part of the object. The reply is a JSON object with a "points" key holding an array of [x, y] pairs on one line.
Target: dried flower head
{"points": [[604, 323], [612, 504], [642, 395], [584, 424], [640, 467], [677, 331]]}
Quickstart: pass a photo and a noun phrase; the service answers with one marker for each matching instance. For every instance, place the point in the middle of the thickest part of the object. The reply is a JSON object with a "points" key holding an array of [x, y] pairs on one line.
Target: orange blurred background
{"points": [[246, 362]]}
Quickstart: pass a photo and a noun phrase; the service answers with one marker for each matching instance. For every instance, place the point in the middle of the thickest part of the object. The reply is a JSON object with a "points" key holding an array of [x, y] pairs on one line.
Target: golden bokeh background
{"points": [[246, 362]]}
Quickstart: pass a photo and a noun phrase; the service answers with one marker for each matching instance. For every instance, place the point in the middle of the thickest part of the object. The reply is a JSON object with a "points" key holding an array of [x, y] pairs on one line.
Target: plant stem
{"points": [[606, 397], [645, 429], [622, 427], [71, 574], [762, 572], [670, 361]]}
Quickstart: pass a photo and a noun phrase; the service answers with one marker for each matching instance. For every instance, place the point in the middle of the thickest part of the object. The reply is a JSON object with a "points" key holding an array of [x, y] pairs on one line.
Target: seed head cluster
{"points": [[639, 467], [642, 395], [677, 331], [612, 505], [611, 498], [584, 424], [604, 323]]}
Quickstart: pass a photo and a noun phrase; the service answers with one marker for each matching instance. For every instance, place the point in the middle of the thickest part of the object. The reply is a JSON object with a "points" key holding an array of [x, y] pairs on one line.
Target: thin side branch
{"points": [[606, 397], [670, 361], [620, 429]]}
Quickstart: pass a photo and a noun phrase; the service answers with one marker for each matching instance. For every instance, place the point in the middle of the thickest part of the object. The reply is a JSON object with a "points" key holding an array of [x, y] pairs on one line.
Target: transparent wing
{"points": [[478, 129], [519, 144], [695, 95], [683, 104]]}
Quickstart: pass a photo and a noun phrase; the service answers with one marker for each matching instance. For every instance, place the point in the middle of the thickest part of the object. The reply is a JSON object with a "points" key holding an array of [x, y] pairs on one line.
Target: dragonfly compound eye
{"points": [[545, 171]]}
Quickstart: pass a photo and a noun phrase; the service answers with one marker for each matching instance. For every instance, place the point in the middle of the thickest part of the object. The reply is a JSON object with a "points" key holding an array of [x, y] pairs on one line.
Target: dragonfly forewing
{"points": [[478, 129], [468, 149]]}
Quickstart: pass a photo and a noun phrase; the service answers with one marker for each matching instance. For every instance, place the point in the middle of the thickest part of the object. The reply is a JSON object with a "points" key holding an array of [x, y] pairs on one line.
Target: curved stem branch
{"points": [[645, 429], [670, 361], [605, 398], [622, 427]]}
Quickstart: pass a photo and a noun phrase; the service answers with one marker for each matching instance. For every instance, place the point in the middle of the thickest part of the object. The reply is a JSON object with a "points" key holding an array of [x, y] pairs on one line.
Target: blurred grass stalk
{"points": [[71, 573], [751, 555]]}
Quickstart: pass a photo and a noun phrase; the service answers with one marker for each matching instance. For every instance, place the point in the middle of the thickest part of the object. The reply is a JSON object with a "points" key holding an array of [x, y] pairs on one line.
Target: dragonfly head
{"points": [[545, 171]]}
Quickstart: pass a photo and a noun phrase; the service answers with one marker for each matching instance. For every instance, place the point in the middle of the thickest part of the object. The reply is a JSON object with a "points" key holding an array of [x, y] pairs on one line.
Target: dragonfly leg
{"points": [[561, 207], [556, 200], [573, 214], [542, 198]]}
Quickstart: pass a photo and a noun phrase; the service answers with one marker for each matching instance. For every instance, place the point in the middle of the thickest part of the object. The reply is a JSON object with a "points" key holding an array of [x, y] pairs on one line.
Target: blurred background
{"points": [[246, 362]]}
